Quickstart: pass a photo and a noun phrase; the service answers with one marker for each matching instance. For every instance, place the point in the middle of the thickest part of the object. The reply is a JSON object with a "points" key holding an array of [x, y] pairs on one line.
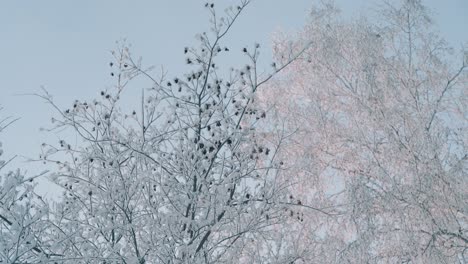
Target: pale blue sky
{"points": [[64, 45]]}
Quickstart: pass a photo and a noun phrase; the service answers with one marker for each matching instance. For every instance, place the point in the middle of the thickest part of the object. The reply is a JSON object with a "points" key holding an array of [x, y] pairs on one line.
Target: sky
{"points": [[65, 45]]}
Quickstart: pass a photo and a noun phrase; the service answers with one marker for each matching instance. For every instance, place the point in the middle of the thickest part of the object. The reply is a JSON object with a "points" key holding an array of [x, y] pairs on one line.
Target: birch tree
{"points": [[379, 110]]}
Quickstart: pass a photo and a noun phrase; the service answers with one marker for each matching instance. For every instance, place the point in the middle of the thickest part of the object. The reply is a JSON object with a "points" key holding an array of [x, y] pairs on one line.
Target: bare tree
{"points": [[182, 178], [379, 115], [23, 216]]}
